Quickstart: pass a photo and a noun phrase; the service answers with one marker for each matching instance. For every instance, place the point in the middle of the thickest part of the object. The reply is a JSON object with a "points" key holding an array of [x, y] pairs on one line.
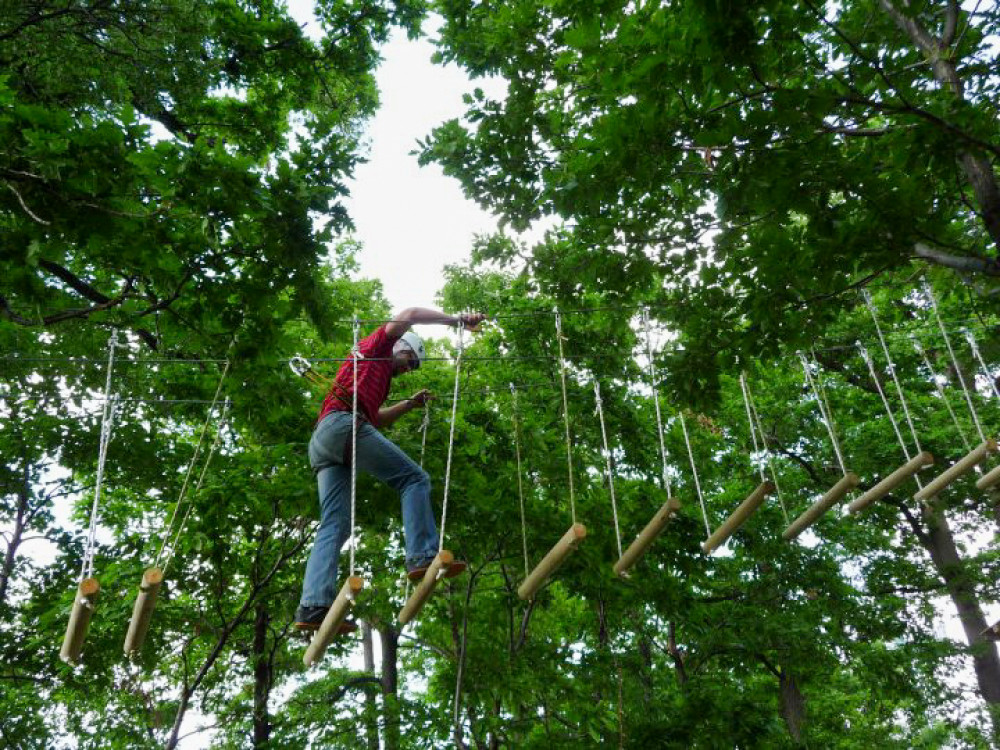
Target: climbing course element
{"points": [[991, 478], [658, 522], [577, 531], [142, 610], [960, 468], [335, 617], [844, 485], [738, 517], [88, 587]]}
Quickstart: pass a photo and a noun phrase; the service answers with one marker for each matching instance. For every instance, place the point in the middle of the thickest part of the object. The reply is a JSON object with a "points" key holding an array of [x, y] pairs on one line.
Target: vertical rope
{"points": [[694, 471], [940, 392], [451, 433], [562, 380], [107, 417], [892, 371], [954, 361], [769, 453], [424, 425], [656, 401], [607, 460], [753, 431], [520, 488], [823, 412], [354, 435], [979, 357]]}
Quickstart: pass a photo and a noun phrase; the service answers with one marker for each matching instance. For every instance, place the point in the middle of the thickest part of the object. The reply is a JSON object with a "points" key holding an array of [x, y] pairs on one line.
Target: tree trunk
{"points": [[792, 704], [263, 677], [17, 534], [371, 709], [940, 543], [390, 685]]}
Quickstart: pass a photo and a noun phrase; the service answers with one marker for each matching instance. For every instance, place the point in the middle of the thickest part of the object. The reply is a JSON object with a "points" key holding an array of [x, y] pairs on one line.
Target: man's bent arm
{"points": [[389, 414]]}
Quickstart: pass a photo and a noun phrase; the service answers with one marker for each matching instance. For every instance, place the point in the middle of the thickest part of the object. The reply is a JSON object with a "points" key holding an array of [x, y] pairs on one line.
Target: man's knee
{"points": [[419, 478]]}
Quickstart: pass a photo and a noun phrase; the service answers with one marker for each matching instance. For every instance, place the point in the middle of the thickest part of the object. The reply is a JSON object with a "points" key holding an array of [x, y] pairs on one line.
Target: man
{"points": [[392, 350]]}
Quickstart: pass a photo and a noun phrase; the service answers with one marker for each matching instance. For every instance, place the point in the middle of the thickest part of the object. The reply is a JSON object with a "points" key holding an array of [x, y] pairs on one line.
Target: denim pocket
{"points": [[329, 439]]}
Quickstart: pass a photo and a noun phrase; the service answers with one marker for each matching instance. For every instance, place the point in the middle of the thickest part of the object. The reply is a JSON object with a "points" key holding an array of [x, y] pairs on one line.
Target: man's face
{"points": [[404, 360]]}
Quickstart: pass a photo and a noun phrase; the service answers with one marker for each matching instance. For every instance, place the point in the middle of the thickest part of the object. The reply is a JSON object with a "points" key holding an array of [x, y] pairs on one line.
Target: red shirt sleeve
{"points": [[378, 344]]}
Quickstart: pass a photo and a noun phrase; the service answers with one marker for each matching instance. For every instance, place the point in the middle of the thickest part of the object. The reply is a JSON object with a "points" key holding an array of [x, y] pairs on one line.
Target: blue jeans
{"points": [[380, 457]]}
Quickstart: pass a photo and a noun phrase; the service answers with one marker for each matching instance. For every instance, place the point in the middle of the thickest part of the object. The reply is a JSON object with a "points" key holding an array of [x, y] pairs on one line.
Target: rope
{"points": [[979, 357], [355, 356], [190, 469], [892, 371], [451, 432], [607, 460], [423, 431], [694, 471], [753, 432], [656, 401], [197, 488], [954, 361], [562, 380], [520, 489], [827, 420], [769, 453], [941, 394], [107, 418]]}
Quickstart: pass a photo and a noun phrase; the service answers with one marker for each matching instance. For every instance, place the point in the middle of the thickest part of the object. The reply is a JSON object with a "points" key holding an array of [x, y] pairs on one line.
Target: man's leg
{"points": [[382, 458], [319, 588]]}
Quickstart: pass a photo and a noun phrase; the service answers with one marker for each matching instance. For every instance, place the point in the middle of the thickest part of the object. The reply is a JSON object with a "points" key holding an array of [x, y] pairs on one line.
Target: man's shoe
{"points": [[310, 618], [416, 571]]}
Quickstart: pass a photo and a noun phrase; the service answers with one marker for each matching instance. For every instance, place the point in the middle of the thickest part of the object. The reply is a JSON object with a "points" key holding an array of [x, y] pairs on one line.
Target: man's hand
{"points": [[471, 321], [420, 398]]}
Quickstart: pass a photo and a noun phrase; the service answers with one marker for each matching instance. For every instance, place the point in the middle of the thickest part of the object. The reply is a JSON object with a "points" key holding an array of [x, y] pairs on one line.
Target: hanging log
{"points": [[142, 612], [738, 517], [833, 496], [960, 467], [79, 620], [647, 536], [551, 562], [335, 617], [438, 567], [989, 480], [891, 482]]}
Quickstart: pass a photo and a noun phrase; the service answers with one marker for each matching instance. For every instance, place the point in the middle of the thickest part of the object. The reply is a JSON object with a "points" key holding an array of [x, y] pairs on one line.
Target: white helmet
{"points": [[415, 344]]}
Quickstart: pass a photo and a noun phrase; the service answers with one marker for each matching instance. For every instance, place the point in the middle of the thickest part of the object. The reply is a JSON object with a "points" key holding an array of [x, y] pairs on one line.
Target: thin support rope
{"points": [[107, 417], [979, 357], [769, 453], [562, 380], [888, 409], [451, 432], [197, 487], [607, 460], [424, 425], [753, 431], [520, 488], [656, 402], [940, 392], [190, 469], [694, 472], [954, 361], [823, 412], [355, 356], [892, 371]]}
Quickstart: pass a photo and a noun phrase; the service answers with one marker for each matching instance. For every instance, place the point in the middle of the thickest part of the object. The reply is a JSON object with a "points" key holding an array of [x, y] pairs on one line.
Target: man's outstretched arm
{"points": [[411, 316]]}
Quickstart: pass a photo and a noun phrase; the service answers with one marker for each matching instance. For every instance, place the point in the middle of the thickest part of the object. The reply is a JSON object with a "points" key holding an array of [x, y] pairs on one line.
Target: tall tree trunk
{"points": [[390, 685], [940, 544], [792, 704], [17, 534], [263, 677], [371, 709]]}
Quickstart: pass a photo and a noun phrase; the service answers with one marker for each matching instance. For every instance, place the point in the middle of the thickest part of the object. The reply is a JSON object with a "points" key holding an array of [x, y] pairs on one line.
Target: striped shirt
{"points": [[374, 378]]}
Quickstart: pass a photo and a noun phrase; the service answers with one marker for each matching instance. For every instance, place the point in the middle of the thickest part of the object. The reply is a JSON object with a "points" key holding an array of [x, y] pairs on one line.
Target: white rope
{"points": [[954, 361], [451, 432], [656, 401], [607, 460], [355, 356], [107, 418], [520, 488], [940, 392], [979, 357], [694, 472], [892, 371], [823, 412], [424, 425], [753, 431], [197, 488], [190, 469], [562, 380], [769, 453]]}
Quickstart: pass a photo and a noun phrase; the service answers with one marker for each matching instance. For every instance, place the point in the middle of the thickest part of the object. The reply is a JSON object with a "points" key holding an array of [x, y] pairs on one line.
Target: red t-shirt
{"points": [[374, 378]]}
